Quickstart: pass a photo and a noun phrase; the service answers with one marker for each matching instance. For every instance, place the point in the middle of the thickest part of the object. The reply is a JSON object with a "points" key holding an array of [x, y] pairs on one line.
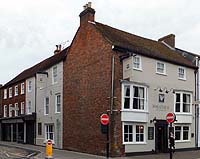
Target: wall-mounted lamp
{"points": [[171, 90], [159, 89], [153, 120], [164, 90]]}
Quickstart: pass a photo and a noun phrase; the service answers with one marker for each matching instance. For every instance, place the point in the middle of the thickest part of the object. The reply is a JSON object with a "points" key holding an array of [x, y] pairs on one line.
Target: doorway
{"points": [[161, 136]]}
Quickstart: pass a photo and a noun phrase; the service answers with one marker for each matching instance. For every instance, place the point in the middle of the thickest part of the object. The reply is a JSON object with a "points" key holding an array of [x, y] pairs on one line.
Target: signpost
{"points": [[170, 118], [105, 130]]}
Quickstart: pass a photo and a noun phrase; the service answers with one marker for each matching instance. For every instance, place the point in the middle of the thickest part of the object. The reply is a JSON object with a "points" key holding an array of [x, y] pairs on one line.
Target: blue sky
{"points": [[29, 30]]}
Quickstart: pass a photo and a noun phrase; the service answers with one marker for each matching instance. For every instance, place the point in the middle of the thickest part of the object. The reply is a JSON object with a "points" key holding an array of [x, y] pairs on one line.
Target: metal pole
{"points": [[107, 144], [170, 148]]}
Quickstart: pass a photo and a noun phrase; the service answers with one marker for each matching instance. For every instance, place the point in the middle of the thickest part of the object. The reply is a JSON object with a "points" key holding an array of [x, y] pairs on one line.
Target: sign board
{"points": [[170, 117], [104, 119]]}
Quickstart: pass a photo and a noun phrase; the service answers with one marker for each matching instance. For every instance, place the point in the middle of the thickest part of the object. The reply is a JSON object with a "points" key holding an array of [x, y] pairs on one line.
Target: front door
{"points": [[161, 136]]}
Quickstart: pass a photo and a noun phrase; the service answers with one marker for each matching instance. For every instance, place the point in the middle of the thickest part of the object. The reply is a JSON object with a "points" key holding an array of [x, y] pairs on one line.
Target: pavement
{"points": [[38, 152]]}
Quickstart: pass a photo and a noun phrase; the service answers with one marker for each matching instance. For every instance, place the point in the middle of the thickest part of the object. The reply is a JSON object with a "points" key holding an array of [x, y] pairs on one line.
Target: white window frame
{"points": [[10, 92], [181, 133], [5, 94], [47, 132], [181, 102], [10, 110], [138, 62], [16, 109], [5, 111], [132, 95], [16, 90], [181, 73], [157, 68], [56, 103], [29, 107], [22, 88], [22, 108], [55, 74], [134, 133], [29, 86], [45, 106]]}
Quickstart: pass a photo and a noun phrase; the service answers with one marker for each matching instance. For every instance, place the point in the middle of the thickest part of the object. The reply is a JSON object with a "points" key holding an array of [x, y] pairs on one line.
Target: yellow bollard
{"points": [[49, 151]]}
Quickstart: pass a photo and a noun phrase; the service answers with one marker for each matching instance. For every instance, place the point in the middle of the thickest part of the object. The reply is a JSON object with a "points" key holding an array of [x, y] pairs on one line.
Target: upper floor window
{"points": [[160, 68], [137, 63], [10, 92], [46, 106], [22, 108], [29, 86], [5, 111], [55, 74], [10, 110], [5, 94], [22, 88], [183, 102], [134, 133], [58, 103], [182, 133], [134, 97], [16, 90], [29, 107], [16, 109], [181, 73]]}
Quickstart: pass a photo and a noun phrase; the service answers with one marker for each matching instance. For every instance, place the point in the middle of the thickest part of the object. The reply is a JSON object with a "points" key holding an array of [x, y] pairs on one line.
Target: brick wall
{"points": [[87, 86]]}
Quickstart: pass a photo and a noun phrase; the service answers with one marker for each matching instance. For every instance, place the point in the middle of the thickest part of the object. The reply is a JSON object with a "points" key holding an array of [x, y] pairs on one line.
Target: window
{"points": [[58, 103], [16, 90], [183, 102], [39, 128], [5, 111], [22, 108], [49, 132], [46, 106], [182, 133], [133, 133], [10, 110], [134, 97], [5, 93], [160, 68], [29, 86], [55, 74], [137, 63], [29, 107], [128, 133], [22, 88], [16, 109], [10, 92], [139, 133], [181, 73]]}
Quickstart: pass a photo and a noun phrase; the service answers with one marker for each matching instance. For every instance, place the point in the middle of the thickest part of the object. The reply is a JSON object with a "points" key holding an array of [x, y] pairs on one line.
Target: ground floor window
{"points": [[133, 133], [182, 132], [49, 132]]}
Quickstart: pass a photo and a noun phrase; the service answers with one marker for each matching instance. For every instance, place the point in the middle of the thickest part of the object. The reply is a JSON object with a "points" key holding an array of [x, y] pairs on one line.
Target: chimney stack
{"points": [[58, 49], [169, 40], [87, 14]]}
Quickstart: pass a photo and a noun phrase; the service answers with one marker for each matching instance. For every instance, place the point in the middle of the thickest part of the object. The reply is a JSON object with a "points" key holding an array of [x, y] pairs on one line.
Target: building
{"points": [[134, 79], [24, 97]]}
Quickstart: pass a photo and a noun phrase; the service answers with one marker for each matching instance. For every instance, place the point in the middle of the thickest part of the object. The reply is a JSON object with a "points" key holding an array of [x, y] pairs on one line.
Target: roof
{"points": [[42, 66], [142, 46]]}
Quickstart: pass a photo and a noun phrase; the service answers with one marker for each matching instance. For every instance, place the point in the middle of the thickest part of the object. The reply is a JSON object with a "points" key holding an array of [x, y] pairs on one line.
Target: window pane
{"points": [[130, 137], [125, 128], [141, 137], [136, 92], [186, 107], [178, 97], [178, 107], [127, 103], [126, 137], [137, 137], [135, 103]]}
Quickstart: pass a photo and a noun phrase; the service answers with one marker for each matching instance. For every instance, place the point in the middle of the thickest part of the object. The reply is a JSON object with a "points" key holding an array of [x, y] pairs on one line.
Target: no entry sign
{"points": [[104, 119], [170, 117]]}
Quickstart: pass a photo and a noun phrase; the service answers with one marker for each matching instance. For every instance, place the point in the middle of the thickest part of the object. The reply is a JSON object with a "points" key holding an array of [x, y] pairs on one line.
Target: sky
{"points": [[29, 30]]}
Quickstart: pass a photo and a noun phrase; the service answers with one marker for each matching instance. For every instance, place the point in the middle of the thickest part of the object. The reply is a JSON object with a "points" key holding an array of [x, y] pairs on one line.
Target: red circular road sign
{"points": [[170, 117], [104, 119], [49, 142]]}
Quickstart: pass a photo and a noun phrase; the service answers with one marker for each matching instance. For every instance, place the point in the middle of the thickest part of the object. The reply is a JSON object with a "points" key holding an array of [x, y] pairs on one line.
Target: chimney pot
{"points": [[90, 4]]}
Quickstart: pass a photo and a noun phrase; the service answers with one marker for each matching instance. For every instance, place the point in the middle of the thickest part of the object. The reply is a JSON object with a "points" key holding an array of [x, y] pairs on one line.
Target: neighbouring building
{"points": [[134, 79], [32, 103]]}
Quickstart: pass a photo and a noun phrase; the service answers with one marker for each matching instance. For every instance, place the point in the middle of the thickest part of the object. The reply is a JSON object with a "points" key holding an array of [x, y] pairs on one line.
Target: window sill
{"points": [[182, 141], [138, 69], [183, 113], [134, 110], [134, 143], [182, 79], [163, 74]]}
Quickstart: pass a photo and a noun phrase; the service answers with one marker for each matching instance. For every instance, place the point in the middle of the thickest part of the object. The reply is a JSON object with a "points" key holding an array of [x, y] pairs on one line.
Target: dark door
{"points": [[30, 131], [161, 136]]}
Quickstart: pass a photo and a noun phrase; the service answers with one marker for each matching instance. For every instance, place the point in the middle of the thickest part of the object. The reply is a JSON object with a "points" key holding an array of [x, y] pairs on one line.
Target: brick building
{"points": [[99, 73]]}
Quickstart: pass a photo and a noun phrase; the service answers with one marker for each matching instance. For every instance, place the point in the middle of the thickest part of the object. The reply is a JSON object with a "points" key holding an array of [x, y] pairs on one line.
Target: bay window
{"points": [[183, 102]]}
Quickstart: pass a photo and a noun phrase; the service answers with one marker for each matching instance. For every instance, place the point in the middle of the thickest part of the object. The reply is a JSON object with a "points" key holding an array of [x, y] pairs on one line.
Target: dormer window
{"points": [[5, 94], [10, 92], [16, 90]]}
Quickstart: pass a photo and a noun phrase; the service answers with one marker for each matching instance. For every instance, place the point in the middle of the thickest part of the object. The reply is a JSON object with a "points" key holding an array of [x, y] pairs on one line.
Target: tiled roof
{"points": [[142, 46], [42, 66]]}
